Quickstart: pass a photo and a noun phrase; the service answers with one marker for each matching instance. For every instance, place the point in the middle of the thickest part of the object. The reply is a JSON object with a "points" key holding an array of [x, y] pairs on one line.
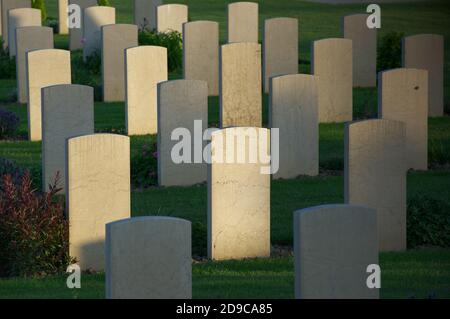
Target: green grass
{"points": [[413, 274], [418, 273]]}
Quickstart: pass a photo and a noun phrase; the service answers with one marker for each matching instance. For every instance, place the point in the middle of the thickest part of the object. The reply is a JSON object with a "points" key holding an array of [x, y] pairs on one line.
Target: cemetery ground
{"points": [[421, 272]]}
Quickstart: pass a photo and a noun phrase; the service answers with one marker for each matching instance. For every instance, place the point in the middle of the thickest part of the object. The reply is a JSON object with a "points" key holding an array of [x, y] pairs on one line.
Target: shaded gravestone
{"points": [[67, 111], [240, 85], [333, 245], [116, 38], [332, 62], [243, 22], [5, 6], [145, 14], [293, 109], [29, 39], [170, 17], [180, 104], [201, 53], [146, 66], [94, 19], [280, 48], [44, 68], [97, 193], [76, 34], [149, 258], [403, 96], [63, 6], [426, 51], [238, 194], [23, 17], [375, 176], [364, 49]]}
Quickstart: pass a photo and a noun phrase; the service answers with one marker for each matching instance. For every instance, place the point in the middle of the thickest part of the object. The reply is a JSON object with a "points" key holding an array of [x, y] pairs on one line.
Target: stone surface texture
{"points": [[201, 53], [332, 62], [97, 193], [240, 85], [280, 48], [67, 111], [375, 176], [29, 39], [293, 110], [149, 258], [403, 96], [146, 66], [333, 245], [180, 103], [44, 68]]}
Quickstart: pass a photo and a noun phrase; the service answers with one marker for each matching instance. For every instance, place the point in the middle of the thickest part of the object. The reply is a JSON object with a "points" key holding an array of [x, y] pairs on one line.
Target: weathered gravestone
{"points": [[280, 48], [44, 68], [5, 6], [375, 176], [364, 49], [201, 53], [94, 19], [76, 34], [146, 66], [182, 110], [170, 17], [23, 17], [426, 51], [243, 22], [67, 111], [293, 109], [149, 258], [332, 62], [116, 38], [29, 39], [333, 245], [403, 96], [240, 85], [239, 194], [63, 6], [145, 14], [97, 193]]}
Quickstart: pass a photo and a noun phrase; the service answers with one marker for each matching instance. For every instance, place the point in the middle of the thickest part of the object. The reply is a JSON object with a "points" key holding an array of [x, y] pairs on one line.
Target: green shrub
{"points": [[9, 123], [8, 167], [171, 40], [438, 154], [7, 65], [53, 23], [428, 222], [104, 3], [88, 72], [390, 51], [40, 4], [144, 167], [33, 230], [199, 239]]}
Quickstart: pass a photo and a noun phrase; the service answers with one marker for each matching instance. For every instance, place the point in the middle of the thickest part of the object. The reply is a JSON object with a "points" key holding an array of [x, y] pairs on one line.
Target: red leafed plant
{"points": [[33, 229]]}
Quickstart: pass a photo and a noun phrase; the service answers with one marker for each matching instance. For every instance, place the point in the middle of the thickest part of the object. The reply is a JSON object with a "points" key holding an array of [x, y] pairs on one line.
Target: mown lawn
{"points": [[415, 273]]}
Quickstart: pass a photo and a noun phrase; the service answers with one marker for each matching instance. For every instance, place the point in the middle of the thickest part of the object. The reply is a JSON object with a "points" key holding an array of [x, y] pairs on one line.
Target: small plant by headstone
{"points": [[33, 230], [9, 123], [428, 222], [171, 40], [144, 167], [390, 51], [103, 3], [7, 65], [40, 4]]}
